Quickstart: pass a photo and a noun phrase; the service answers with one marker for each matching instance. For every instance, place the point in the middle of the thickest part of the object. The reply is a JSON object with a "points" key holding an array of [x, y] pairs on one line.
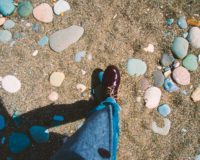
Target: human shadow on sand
{"points": [[43, 116]]}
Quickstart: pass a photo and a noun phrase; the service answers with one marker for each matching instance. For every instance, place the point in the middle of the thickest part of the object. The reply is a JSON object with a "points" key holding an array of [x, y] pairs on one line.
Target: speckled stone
{"points": [[181, 76], [194, 37], [166, 59], [158, 78], [182, 22], [191, 62], [136, 67]]}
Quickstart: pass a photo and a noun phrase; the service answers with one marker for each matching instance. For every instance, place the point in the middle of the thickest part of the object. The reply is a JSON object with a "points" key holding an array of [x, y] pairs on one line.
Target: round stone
{"points": [[181, 76], [8, 24], [11, 84], [191, 62], [164, 110], [158, 78], [166, 60], [182, 23], [39, 134], [196, 95], [61, 6], [43, 13], [53, 96], [5, 36], [194, 37], [136, 67], [57, 78], [7, 7], [152, 97], [24, 9], [180, 47], [2, 122], [2, 20], [170, 86]]}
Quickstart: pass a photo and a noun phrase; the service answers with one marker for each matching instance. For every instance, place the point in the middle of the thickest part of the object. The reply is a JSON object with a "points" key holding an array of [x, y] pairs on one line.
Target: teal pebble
{"points": [[182, 23], [169, 21], [180, 47], [8, 24], [18, 142], [2, 122], [5, 36], [7, 7], [58, 118], [39, 134], [24, 9], [170, 86], [164, 110], [136, 67], [191, 62], [43, 41]]}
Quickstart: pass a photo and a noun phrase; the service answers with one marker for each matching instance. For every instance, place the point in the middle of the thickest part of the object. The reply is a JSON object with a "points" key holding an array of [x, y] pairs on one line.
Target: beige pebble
{"points": [[83, 72], [35, 53], [150, 48], [53, 96], [2, 20], [81, 87], [196, 95], [57, 78]]}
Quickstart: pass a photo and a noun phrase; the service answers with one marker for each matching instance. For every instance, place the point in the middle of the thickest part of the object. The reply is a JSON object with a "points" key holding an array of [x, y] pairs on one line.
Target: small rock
{"points": [[7, 7], [81, 87], [169, 21], [196, 95], [5, 36], [194, 37], [28, 24], [11, 84], [180, 47], [53, 96], [18, 142], [83, 72], [36, 28], [191, 62], [199, 58], [79, 56], [182, 23], [39, 134], [2, 122], [162, 131], [24, 8], [164, 110], [58, 118], [2, 20], [166, 59], [181, 76], [152, 97], [89, 57], [138, 99], [57, 78], [35, 53], [176, 64], [61, 6], [144, 84], [170, 86], [42, 16], [158, 78], [185, 34], [43, 41], [136, 67], [167, 73], [150, 48], [8, 24]]}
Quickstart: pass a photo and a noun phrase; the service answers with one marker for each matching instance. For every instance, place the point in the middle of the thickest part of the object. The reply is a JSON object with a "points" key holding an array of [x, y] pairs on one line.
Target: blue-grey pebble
{"points": [[5, 36], [158, 78], [166, 59], [170, 86], [39, 134], [7, 7], [164, 110], [43, 41], [182, 23], [79, 56], [8, 24]]}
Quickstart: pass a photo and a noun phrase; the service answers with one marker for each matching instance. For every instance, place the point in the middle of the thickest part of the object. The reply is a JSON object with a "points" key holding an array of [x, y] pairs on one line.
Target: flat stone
{"points": [[11, 84], [194, 37], [18, 142], [2, 122], [39, 134], [191, 62], [53, 96], [79, 56], [62, 39], [2, 20], [43, 41], [136, 67], [158, 78], [166, 60], [43, 13], [5, 36], [61, 6], [162, 131], [8, 24], [170, 86], [152, 97], [196, 95], [57, 78], [181, 76], [7, 7], [182, 23], [164, 110], [24, 8]]}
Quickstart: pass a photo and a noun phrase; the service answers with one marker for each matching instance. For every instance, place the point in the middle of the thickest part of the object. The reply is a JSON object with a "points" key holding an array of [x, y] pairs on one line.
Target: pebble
{"points": [[7, 7], [8, 24], [185, 34], [158, 78], [169, 21], [35, 53], [144, 84], [2, 20], [162, 131], [191, 62], [81, 87], [180, 47], [24, 8], [181, 76], [152, 97], [136, 67], [58, 118], [58, 42], [197, 157], [53, 96], [18, 142], [57, 78], [182, 23], [2, 122], [36, 28], [138, 99], [194, 37], [79, 56], [170, 86], [196, 95], [39, 134], [150, 48], [89, 57], [61, 6], [199, 58], [5, 36], [176, 64], [40, 15], [164, 110], [83, 72], [166, 59], [167, 73], [43, 41], [11, 84]]}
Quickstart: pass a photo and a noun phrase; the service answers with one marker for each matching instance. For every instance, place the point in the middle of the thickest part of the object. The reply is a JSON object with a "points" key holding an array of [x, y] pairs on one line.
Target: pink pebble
{"points": [[181, 76], [43, 13], [2, 20], [53, 96]]}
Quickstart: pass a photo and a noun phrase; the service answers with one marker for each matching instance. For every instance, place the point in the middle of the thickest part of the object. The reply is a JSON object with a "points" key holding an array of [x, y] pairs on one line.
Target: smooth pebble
{"points": [[11, 84], [136, 67], [24, 8], [2, 20], [181, 76], [57, 78], [43, 41], [170, 86], [166, 59], [182, 22], [164, 110], [196, 95], [158, 78], [191, 62], [35, 53], [53, 96], [79, 56], [197, 157], [7, 7], [162, 131], [150, 48], [169, 21], [5, 36], [61, 6], [39, 134], [8, 24], [194, 37]]}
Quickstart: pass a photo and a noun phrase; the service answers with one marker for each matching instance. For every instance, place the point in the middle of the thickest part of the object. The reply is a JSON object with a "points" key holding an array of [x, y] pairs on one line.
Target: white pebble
{"points": [[138, 99], [28, 24], [162, 131], [53, 96], [61, 6], [89, 57], [150, 48], [57, 78], [81, 87], [11, 84], [83, 72], [35, 53]]}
